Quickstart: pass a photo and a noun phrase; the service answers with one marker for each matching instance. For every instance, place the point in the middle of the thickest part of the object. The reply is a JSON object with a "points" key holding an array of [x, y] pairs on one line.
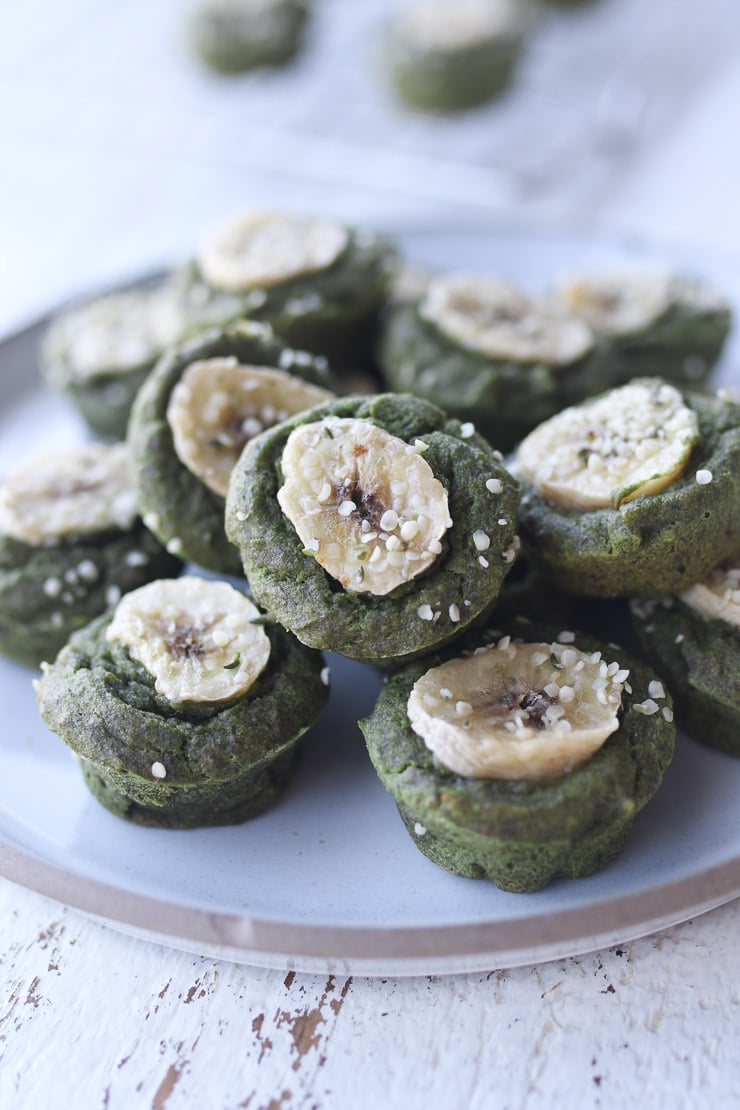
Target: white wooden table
{"points": [[117, 152], [95, 1019]]}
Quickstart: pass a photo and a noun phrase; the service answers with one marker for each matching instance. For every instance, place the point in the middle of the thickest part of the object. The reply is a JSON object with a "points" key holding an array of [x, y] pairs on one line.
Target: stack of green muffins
{"points": [[383, 525]]}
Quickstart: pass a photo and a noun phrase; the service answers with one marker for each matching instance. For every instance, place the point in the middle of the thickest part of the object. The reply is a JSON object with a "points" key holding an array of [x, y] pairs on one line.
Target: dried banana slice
{"points": [[517, 711], [620, 302], [268, 248], [443, 27], [364, 503], [498, 320], [112, 335], [219, 404], [69, 493], [630, 442], [717, 596], [194, 636]]}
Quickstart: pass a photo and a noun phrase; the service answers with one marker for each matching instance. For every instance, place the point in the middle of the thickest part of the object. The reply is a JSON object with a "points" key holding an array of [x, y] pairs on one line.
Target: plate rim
{"points": [[372, 950]]}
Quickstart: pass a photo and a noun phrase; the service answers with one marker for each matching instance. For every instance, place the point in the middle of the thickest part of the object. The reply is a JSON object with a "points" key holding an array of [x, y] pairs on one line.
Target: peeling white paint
{"points": [[96, 1019]]}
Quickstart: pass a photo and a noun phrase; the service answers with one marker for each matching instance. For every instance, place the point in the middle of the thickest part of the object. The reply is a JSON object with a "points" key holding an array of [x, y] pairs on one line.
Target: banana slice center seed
{"points": [[517, 711], [364, 503], [194, 636], [630, 442]]}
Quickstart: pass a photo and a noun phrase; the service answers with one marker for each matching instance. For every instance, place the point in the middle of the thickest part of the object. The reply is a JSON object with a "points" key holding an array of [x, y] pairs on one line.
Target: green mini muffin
{"points": [[71, 543], [693, 641], [197, 409], [373, 526], [443, 58], [182, 708], [651, 322], [319, 284], [99, 352], [233, 36], [653, 533], [486, 351], [516, 825]]}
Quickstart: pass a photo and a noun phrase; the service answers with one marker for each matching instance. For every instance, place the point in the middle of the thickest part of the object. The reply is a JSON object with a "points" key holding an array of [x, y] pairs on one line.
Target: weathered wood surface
{"points": [[95, 1019]]}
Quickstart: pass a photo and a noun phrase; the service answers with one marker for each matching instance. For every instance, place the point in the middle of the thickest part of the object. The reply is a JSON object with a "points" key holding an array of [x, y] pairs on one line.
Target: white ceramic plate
{"points": [[328, 880]]}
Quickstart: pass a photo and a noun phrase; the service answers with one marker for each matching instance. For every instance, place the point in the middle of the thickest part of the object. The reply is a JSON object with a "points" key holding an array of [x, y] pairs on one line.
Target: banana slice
{"points": [[408, 285], [517, 711], [439, 26], [364, 503], [495, 318], [628, 443], [69, 493], [618, 302], [717, 597], [219, 404], [194, 636], [269, 248], [113, 334]]}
